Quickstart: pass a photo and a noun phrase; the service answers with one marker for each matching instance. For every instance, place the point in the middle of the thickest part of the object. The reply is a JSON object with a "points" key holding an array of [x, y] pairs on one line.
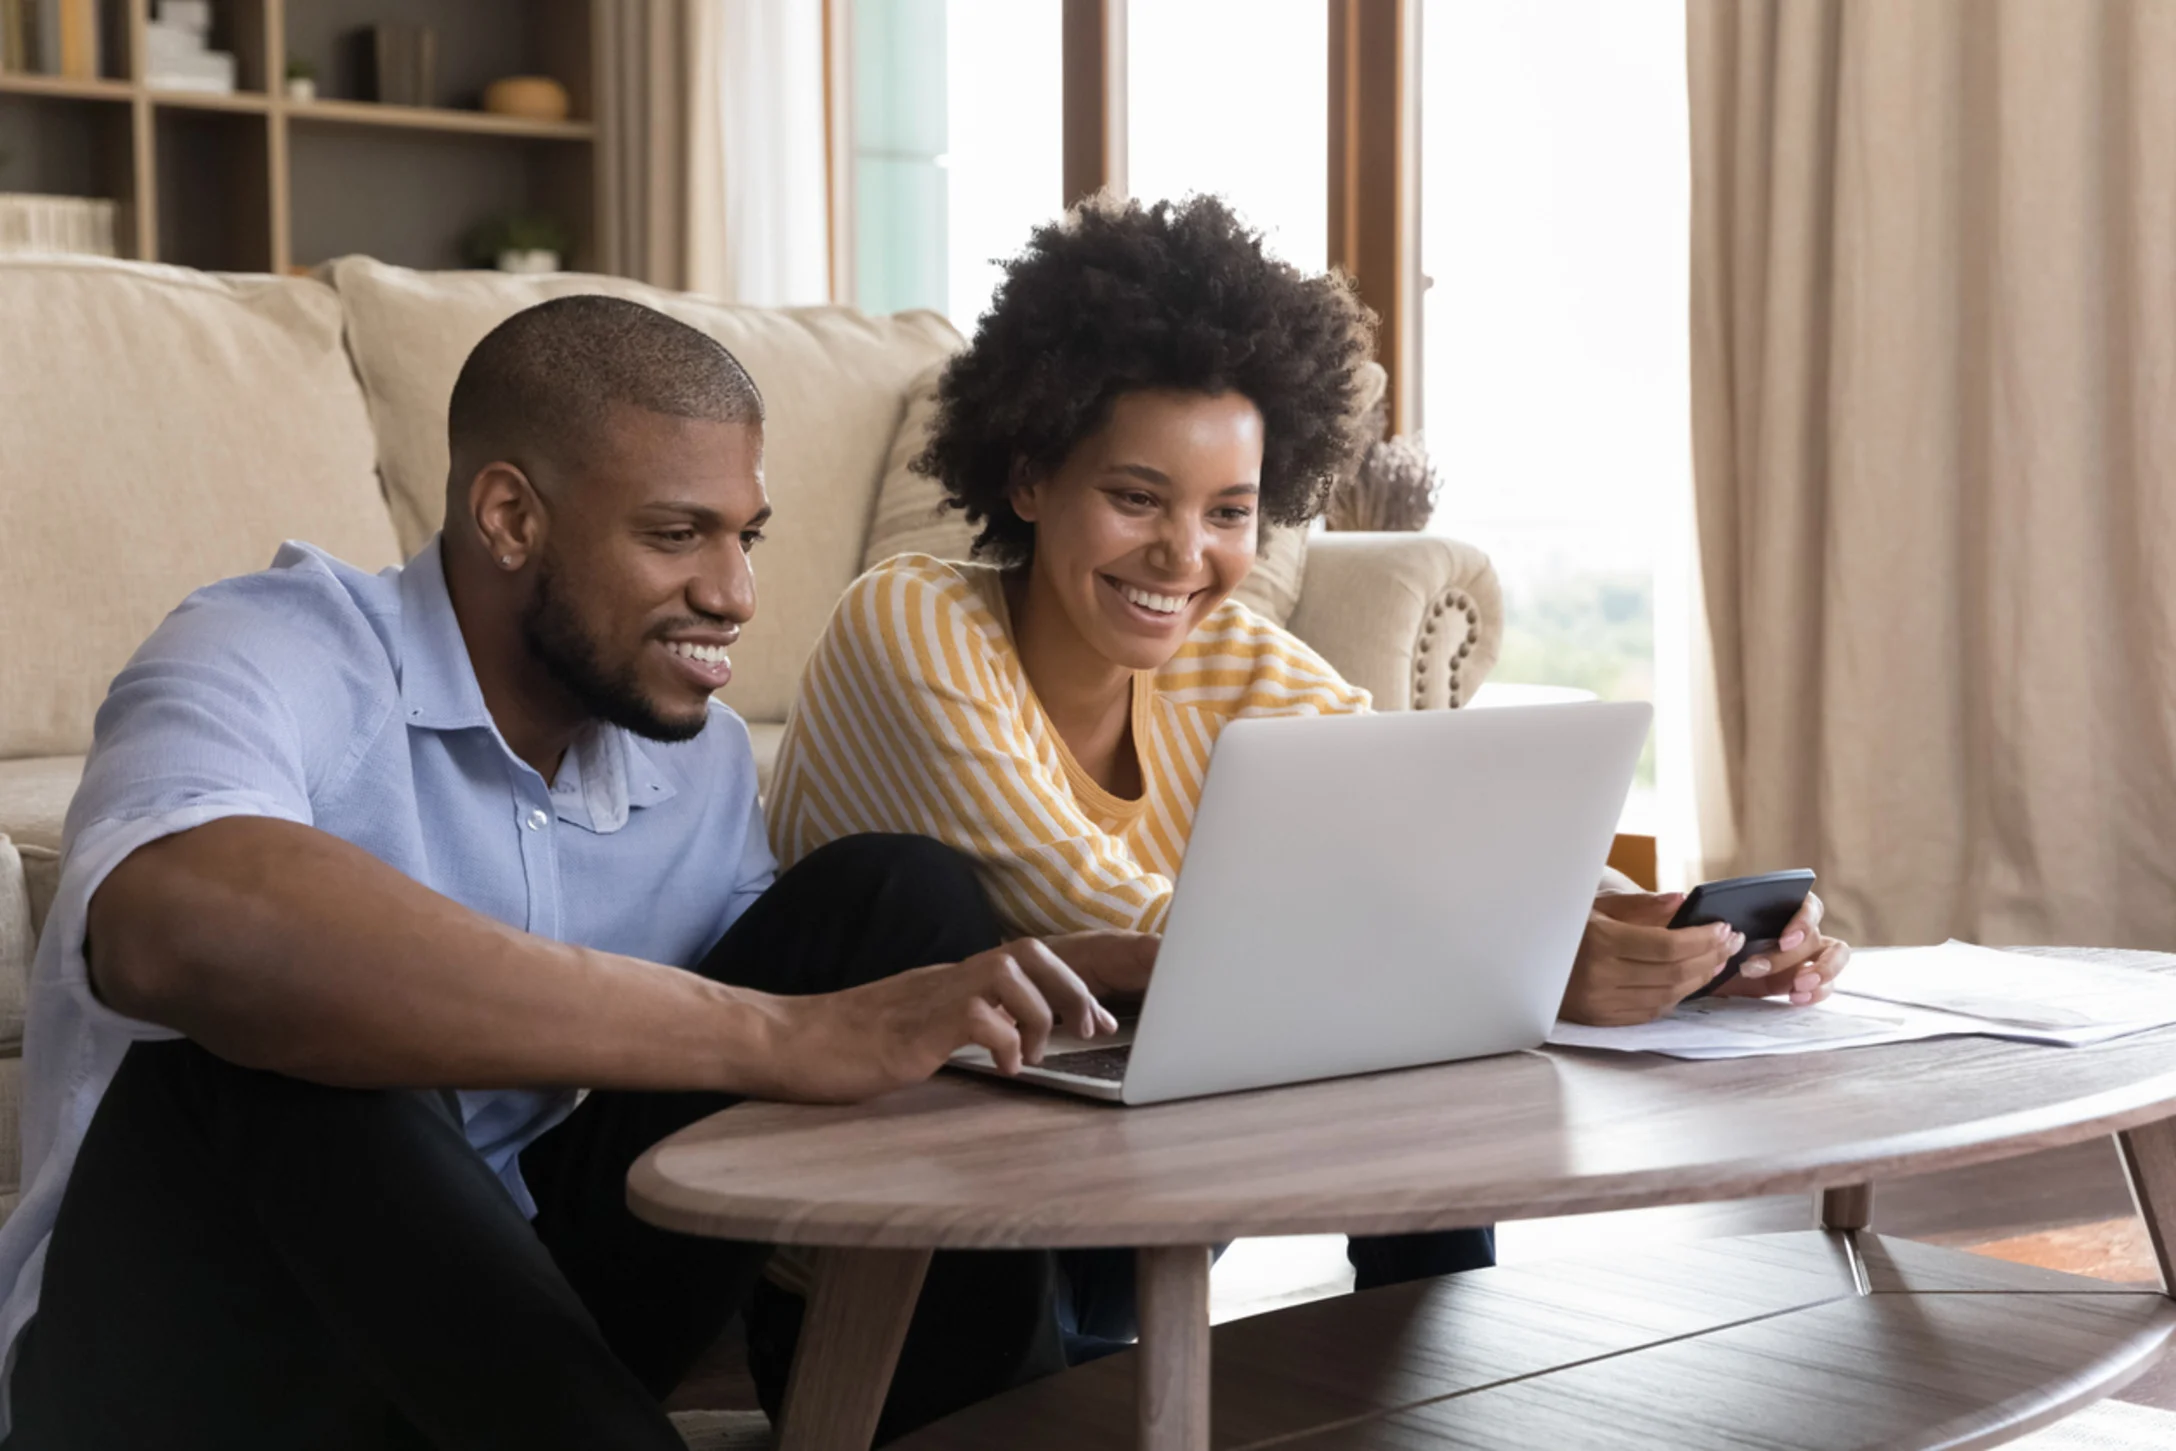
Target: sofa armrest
{"points": [[1416, 619]]}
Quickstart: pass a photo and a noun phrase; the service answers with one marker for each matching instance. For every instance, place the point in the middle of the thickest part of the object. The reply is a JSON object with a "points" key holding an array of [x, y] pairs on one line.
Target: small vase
{"points": [[533, 259], [301, 88]]}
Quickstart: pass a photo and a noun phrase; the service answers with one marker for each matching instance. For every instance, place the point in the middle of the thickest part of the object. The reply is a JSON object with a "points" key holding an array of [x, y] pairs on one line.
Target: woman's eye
{"points": [[1138, 500], [1235, 514]]}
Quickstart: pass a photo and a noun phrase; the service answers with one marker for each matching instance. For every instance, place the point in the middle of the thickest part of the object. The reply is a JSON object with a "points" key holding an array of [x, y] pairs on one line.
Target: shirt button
{"points": [[538, 820]]}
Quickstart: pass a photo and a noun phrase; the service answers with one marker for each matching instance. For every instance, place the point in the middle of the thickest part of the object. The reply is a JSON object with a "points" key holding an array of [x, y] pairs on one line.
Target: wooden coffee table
{"points": [[1833, 1337]]}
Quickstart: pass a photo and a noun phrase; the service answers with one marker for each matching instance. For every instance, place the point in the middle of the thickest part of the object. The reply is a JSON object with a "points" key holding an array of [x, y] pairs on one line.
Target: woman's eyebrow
{"points": [[1140, 471]]}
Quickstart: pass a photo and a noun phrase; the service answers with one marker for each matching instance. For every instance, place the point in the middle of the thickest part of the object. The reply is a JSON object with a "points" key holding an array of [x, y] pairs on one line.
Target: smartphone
{"points": [[1761, 907]]}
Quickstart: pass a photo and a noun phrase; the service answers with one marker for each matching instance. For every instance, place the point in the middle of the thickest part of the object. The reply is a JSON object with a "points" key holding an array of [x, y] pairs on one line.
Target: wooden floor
{"points": [[2064, 1188], [2060, 1189]]}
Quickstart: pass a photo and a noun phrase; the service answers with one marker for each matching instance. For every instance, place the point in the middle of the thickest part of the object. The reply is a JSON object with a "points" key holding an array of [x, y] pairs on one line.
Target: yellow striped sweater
{"points": [[915, 715]]}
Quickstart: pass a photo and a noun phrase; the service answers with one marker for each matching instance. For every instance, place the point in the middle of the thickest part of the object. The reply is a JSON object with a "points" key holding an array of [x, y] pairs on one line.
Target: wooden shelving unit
{"points": [[255, 182]]}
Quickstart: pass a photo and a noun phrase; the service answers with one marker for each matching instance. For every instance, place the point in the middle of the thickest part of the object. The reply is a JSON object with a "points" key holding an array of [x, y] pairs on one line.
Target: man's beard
{"points": [[556, 637]]}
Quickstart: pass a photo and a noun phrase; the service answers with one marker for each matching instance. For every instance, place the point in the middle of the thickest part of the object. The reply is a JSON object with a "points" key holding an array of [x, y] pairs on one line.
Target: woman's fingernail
{"points": [[1791, 939], [1799, 1000], [1756, 967], [1807, 982], [1722, 932], [1717, 970]]}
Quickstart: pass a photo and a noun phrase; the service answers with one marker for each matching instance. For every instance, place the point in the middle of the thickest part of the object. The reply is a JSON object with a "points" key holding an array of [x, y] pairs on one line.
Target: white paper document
{"points": [[2108, 1426], [1758, 1027], [1899, 994], [2067, 1000]]}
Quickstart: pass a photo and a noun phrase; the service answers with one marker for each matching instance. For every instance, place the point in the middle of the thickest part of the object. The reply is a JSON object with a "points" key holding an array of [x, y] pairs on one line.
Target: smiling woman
{"points": [[1147, 389]]}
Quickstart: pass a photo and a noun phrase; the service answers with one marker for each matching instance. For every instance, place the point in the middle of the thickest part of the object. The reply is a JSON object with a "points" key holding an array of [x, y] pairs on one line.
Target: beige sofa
{"points": [[162, 428]]}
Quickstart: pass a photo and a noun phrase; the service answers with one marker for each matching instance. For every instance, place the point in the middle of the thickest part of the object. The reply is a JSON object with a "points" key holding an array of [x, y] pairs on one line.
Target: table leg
{"points": [[2149, 1157], [1172, 1395], [1848, 1206], [850, 1338]]}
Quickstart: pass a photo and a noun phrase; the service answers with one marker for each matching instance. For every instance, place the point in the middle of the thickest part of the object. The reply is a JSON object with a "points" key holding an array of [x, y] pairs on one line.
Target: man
{"points": [[366, 872]]}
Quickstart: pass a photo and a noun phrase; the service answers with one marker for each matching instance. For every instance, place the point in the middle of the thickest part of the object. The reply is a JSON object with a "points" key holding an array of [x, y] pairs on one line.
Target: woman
{"points": [[1147, 391]]}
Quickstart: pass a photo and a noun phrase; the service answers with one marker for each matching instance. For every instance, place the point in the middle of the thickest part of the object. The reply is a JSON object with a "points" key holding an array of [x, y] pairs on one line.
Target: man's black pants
{"points": [[248, 1260]]}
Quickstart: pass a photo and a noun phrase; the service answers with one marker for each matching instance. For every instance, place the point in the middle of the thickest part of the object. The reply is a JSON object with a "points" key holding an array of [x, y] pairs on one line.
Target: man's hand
{"points": [[1803, 966], [847, 1046], [1632, 968]]}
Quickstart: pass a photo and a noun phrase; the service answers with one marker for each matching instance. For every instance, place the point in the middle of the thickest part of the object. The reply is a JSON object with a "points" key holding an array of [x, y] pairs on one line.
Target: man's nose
{"points": [[726, 590]]}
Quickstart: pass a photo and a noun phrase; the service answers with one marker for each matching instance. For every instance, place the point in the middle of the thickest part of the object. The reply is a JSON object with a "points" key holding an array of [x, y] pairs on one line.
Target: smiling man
{"points": [[368, 874]]}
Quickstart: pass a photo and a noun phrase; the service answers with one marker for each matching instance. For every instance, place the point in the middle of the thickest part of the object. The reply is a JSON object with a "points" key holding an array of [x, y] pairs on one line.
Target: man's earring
{"points": [[506, 561]]}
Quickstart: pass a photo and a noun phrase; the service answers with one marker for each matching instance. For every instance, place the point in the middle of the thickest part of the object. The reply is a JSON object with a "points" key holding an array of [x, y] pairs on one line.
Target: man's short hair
{"points": [[543, 382]]}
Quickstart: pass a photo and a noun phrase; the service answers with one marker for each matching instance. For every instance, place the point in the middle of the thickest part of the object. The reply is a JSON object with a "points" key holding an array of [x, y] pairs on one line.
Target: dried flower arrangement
{"points": [[1394, 487]]}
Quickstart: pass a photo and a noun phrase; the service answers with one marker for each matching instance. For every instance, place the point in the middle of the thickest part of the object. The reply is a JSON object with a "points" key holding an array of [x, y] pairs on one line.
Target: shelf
{"points": [[67, 88], [253, 102], [436, 118]]}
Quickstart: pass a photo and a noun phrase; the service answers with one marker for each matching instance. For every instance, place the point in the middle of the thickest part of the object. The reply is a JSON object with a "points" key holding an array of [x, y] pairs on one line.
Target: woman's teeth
{"points": [[1161, 604], [707, 654]]}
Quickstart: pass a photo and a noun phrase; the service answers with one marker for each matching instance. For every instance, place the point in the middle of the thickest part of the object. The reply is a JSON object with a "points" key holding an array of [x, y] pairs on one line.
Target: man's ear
{"points": [[507, 514]]}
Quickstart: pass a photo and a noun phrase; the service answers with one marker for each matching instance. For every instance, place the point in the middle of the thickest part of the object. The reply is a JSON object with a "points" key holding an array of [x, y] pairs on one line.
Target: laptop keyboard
{"points": [[1107, 1065]]}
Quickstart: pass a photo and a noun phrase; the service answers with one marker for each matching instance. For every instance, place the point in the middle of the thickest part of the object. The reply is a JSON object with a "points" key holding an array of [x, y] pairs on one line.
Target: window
{"points": [[956, 127], [1251, 124], [1555, 196]]}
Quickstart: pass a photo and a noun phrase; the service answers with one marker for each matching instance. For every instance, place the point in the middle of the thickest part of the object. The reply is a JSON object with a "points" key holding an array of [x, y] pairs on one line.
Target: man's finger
{"points": [[1009, 987], [988, 1027], [1068, 995]]}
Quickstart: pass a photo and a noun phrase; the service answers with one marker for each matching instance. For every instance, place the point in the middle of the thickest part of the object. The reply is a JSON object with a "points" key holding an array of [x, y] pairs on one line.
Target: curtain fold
{"points": [[717, 155], [1934, 339], [650, 167], [761, 228]]}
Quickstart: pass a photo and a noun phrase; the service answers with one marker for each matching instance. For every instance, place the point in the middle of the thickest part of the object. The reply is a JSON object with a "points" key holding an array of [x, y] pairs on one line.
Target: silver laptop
{"points": [[1369, 892]]}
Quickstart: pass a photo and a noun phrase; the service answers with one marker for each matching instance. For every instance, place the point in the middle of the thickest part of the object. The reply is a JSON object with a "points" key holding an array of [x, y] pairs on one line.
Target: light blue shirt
{"points": [[316, 693]]}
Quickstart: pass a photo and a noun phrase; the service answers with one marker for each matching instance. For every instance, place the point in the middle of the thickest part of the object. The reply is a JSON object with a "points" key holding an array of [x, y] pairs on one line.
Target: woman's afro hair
{"points": [[1119, 296]]}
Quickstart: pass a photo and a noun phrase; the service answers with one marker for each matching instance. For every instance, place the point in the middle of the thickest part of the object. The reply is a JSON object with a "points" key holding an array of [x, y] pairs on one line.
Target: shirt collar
{"points": [[605, 774], [438, 689]]}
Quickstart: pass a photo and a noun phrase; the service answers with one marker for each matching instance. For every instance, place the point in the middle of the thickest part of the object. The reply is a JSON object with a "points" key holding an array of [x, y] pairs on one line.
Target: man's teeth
{"points": [[1161, 604], [708, 654]]}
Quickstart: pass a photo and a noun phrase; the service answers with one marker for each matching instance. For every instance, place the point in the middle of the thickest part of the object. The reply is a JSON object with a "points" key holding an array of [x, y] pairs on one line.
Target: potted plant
{"points": [[520, 242], [301, 79]]}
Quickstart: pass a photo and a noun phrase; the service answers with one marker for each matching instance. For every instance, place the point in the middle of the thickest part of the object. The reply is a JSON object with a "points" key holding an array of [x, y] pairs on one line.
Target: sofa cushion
{"points": [[833, 382], [159, 429], [15, 941], [910, 518], [763, 741], [11, 1133], [34, 797]]}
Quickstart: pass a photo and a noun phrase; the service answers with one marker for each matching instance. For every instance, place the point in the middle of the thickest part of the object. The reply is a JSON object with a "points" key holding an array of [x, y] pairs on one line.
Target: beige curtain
{"points": [[1934, 389], [653, 72], [718, 147]]}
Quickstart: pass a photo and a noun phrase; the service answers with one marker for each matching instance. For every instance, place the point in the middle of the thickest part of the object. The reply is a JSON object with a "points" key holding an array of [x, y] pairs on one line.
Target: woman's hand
{"points": [[1632, 967], [1803, 966], [1113, 964]]}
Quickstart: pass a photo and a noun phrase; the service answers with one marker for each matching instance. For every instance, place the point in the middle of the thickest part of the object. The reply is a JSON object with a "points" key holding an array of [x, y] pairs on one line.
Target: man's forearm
{"points": [[278, 946]]}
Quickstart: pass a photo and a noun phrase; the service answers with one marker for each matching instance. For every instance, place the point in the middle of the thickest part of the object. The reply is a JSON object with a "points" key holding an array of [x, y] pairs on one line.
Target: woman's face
{"points": [[1150, 523]]}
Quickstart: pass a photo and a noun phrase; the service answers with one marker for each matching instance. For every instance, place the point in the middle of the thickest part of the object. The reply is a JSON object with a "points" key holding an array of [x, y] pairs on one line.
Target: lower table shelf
{"points": [[1795, 1342]]}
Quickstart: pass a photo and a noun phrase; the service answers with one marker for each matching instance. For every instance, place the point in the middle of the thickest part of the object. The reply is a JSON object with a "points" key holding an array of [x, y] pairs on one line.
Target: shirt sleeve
{"points": [[229, 709], [905, 724]]}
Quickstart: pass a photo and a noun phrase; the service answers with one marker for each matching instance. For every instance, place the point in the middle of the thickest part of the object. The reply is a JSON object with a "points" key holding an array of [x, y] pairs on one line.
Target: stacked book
{"points": [[178, 55], [55, 37], [56, 224]]}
